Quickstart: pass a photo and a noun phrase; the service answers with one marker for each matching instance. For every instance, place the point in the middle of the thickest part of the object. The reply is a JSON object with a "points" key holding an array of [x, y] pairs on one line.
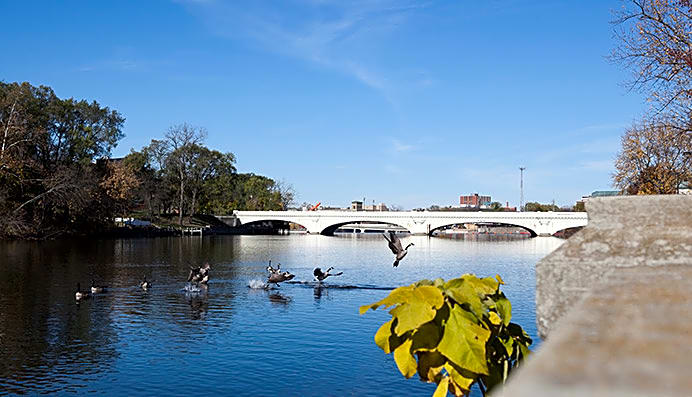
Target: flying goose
{"points": [[395, 246], [320, 275], [275, 275], [199, 274]]}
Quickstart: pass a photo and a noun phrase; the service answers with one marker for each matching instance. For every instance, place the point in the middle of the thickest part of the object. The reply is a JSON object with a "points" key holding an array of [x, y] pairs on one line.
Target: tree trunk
{"points": [[151, 208], [7, 128], [192, 207], [180, 206]]}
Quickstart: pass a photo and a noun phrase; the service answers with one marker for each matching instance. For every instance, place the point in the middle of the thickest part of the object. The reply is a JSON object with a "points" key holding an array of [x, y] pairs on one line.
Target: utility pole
{"points": [[521, 189]]}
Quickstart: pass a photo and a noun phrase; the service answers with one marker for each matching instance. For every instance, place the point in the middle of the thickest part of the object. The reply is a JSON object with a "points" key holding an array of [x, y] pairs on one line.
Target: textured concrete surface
{"points": [[615, 302], [622, 232]]}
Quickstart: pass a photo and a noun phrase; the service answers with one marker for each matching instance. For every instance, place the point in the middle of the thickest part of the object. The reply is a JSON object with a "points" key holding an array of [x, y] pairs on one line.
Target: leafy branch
{"points": [[455, 333]]}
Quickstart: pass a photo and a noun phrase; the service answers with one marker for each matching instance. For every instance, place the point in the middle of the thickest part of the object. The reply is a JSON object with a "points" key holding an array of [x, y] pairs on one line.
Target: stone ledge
{"points": [[622, 232], [615, 302], [631, 336]]}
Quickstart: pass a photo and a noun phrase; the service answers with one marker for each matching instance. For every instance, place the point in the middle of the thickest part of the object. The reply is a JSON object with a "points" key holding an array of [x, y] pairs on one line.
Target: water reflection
{"points": [[198, 298], [130, 341], [319, 290], [278, 298]]}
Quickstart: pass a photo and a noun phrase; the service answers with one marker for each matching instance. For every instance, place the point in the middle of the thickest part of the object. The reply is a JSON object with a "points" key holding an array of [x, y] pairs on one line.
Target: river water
{"points": [[297, 340]]}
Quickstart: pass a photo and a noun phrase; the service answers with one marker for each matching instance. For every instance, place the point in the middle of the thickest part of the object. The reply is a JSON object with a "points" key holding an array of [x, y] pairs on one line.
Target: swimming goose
{"points": [[80, 295], [320, 275], [395, 245], [95, 289], [145, 284]]}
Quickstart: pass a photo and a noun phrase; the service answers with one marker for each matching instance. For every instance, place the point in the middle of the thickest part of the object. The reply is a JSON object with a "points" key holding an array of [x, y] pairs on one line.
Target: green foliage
{"points": [[496, 206], [207, 179], [455, 333], [51, 162], [56, 175], [531, 206]]}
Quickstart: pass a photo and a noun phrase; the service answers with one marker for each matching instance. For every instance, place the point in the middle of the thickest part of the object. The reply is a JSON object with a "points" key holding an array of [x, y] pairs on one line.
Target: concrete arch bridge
{"points": [[419, 222]]}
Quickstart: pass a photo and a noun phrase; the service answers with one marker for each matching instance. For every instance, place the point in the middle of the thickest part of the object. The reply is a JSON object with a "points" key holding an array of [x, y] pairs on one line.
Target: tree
{"points": [[257, 193], [120, 184], [654, 159], [496, 206], [205, 165], [181, 140], [149, 183], [286, 193], [219, 192], [656, 44], [49, 148], [532, 206]]}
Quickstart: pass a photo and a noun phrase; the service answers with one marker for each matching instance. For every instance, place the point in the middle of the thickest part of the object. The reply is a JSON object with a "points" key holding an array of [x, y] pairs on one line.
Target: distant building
{"points": [[601, 193], [598, 193], [356, 205], [474, 201], [375, 207]]}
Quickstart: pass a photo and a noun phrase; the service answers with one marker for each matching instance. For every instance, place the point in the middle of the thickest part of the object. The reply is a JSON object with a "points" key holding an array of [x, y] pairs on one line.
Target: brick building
{"points": [[474, 201]]}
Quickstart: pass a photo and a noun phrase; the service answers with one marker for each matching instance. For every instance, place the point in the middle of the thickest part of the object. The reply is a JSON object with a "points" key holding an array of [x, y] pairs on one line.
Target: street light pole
{"points": [[521, 188]]}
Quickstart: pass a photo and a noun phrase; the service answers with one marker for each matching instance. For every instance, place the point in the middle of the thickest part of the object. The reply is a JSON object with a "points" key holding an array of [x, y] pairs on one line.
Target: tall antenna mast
{"points": [[521, 189]]}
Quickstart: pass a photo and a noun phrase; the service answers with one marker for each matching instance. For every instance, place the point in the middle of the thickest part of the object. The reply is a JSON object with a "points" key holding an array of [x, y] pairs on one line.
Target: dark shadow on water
{"points": [[323, 285], [279, 299]]}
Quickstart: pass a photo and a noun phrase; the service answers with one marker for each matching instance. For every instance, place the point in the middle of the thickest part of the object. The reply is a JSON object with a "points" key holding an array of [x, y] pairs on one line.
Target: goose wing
{"points": [[396, 242], [391, 245]]}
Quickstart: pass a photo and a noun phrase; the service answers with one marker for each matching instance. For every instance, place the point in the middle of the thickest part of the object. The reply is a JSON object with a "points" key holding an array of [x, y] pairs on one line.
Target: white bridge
{"points": [[419, 222]]}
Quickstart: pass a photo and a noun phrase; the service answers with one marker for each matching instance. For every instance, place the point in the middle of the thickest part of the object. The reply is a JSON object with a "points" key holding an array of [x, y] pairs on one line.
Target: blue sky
{"points": [[404, 102]]}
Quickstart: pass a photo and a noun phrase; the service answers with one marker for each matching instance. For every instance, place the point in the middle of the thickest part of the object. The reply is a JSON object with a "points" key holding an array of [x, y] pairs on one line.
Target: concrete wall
{"points": [[615, 304]]}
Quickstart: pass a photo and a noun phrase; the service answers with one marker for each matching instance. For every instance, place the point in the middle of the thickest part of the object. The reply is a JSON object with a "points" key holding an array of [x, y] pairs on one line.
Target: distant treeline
{"points": [[57, 177]]}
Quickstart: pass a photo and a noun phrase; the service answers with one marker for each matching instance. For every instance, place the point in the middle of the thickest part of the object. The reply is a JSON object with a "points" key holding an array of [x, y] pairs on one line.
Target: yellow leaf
{"points": [[430, 295], [382, 336], [399, 295], [442, 388], [404, 359], [463, 342], [411, 316], [460, 381], [494, 318]]}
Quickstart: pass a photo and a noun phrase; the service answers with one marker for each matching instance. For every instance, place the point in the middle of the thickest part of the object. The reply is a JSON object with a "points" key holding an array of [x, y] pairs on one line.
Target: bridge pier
{"points": [[419, 229]]}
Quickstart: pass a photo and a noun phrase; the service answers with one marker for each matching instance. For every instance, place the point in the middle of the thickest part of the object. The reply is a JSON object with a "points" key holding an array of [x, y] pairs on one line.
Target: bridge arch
{"points": [[528, 229], [273, 221], [329, 230]]}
